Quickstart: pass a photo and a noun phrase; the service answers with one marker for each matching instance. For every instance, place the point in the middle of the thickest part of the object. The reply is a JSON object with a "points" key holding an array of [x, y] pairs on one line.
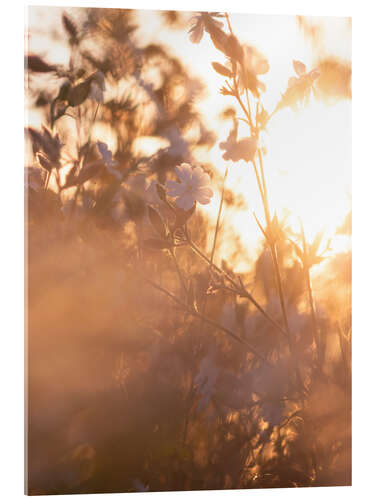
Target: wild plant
{"points": [[219, 379]]}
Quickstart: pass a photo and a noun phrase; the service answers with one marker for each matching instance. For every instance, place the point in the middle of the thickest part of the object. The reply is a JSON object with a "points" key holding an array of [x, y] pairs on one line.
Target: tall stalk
{"points": [[306, 271], [262, 186]]}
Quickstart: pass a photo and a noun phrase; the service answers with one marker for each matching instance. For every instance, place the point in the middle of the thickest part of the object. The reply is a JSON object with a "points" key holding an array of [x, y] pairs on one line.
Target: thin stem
{"points": [[241, 292], [228, 21], [204, 302], [276, 266], [47, 180], [306, 270], [258, 182], [93, 121], [195, 313], [179, 272], [218, 216], [266, 203], [279, 285], [312, 310]]}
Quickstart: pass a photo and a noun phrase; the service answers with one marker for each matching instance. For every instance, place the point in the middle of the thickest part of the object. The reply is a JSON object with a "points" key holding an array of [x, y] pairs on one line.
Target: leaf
{"points": [[317, 260], [222, 70], [64, 91], [78, 94], [225, 91], [233, 48], [71, 177], [156, 244], [260, 226], [182, 216], [84, 175], [316, 243], [44, 162], [37, 65], [299, 67], [157, 222], [70, 28], [297, 250], [46, 143]]}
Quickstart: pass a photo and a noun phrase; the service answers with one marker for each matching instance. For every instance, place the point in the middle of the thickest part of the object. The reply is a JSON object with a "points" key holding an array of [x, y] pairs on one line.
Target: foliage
{"points": [[152, 367]]}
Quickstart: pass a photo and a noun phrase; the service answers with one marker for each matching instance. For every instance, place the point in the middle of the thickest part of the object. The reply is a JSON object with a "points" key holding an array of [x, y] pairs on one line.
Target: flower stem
{"points": [[218, 217], [179, 272], [211, 322], [242, 292]]}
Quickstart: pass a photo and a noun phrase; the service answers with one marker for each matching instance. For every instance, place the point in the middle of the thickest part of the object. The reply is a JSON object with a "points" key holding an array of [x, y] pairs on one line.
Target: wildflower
{"points": [[253, 64], [193, 186], [299, 87], [204, 21], [236, 150]]}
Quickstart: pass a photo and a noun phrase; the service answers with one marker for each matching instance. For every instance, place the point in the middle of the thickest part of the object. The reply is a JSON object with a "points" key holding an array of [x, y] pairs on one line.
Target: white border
{"points": [[11, 210]]}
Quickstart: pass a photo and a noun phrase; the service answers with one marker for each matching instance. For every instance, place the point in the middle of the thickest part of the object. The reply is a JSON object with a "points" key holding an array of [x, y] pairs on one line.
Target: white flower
{"points": [[193, 186]]}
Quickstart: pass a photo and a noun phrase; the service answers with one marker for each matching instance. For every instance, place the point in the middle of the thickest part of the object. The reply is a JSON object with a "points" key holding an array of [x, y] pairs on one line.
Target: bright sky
{"points": [[308, 164]]}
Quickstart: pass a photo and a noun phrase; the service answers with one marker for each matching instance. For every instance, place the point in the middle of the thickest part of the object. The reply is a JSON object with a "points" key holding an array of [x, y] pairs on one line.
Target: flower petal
{"points": [[174, 188], [196, 31], [184, 172], [204, 200], [204, 191], [261, 67], [299, 68], [199, 177], [186, 201], [292, 81]]}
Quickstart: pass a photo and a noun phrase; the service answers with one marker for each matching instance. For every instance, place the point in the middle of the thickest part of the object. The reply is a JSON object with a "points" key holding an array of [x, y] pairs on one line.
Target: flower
{"points": [[236, 150], [193, 186], [204, 21], [299, 87], [253, 64]]}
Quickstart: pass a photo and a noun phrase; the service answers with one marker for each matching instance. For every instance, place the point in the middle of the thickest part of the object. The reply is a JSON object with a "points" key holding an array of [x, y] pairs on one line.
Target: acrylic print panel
{"points": [[188, 187]]}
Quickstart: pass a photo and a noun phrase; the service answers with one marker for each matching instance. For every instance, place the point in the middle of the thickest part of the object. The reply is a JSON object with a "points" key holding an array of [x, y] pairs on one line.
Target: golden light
{"points": [[308, 160]]}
